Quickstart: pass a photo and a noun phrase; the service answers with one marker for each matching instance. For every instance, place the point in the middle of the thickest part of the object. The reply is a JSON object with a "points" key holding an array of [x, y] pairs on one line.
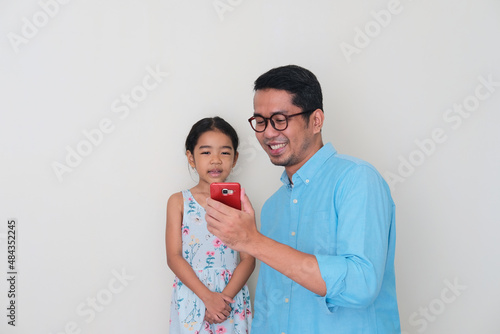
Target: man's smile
{"points": [[277, 146]]}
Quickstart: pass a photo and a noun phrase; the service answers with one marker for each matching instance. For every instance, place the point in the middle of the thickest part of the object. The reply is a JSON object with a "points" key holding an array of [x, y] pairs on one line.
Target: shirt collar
{"points": [[309, 169]]}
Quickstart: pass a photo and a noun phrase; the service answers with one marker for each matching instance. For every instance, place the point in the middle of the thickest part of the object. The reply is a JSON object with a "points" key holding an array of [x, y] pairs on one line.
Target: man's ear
{"points": [[317, 118]]}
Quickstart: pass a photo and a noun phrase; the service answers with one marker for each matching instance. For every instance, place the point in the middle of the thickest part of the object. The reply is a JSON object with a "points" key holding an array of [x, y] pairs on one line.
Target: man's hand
{"points": [[217, 307], [234, 227], [238, 231]]}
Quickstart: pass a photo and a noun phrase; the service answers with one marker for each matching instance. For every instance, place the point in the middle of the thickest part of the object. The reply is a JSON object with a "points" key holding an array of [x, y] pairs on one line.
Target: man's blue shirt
{"points": [[340, 209]]}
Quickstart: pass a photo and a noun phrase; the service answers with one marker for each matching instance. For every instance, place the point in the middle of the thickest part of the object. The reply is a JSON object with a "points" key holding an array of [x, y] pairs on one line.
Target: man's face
{"points": [[291, 147]]}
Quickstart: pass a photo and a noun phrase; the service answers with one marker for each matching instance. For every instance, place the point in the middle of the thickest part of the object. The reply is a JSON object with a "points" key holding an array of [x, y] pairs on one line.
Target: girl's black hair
{"points": [[211, 124]]}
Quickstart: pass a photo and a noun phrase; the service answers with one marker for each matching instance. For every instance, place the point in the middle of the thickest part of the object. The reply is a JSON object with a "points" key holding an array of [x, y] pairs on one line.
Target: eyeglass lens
{"points": [[278, 121]]}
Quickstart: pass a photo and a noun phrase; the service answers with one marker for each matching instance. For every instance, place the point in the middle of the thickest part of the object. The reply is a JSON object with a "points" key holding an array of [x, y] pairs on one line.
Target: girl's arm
{"points": [[215, 303], [240, 275]]}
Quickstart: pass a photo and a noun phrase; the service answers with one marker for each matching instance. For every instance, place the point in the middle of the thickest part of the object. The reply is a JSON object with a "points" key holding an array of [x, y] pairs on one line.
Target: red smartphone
{"points": [[227, 193]]}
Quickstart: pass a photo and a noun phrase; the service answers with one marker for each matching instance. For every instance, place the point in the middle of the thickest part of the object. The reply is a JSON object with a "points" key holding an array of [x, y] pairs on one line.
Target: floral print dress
{"points": [[213, 262]]}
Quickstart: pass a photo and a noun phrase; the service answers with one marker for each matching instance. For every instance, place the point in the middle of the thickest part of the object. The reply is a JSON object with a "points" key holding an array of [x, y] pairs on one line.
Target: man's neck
{"points": [[291, 170]]}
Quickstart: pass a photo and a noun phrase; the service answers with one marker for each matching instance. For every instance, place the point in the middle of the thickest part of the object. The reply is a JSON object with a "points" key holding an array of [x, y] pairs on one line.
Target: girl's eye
{"points": [[206, 152], [226, 153]]}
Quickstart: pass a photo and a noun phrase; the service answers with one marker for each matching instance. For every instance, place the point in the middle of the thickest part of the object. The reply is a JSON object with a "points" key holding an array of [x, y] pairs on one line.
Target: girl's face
{"points": [[213, 157]]}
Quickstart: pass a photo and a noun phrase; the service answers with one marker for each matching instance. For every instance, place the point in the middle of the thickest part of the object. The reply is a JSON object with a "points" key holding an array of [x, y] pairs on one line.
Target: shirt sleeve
{"points": [[365, 212]]}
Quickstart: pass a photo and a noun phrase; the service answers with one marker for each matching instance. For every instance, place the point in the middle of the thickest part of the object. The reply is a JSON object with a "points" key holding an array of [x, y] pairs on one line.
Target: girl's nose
{"points": [[216, 160]]}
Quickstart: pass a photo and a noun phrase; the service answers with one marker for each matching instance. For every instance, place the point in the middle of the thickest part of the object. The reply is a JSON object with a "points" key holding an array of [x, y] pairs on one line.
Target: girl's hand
{"points": [[217, 307]]}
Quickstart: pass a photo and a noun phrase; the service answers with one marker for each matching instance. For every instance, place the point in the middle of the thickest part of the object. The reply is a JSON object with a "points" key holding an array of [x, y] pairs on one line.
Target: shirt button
{"points": [[295, 201], [286, 300], [293, 233], [307, 181]]}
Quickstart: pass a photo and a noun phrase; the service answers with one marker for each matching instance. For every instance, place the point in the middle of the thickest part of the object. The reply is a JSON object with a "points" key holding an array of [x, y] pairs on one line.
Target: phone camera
{"points": [[225, 191]]}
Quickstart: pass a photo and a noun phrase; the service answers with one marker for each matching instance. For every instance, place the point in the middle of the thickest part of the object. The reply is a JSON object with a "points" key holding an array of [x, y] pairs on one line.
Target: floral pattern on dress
{"points": [[213, 262]]}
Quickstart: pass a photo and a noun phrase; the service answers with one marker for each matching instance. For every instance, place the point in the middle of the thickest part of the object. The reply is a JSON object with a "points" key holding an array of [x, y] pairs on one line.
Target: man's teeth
{"points": [[277, 146]]}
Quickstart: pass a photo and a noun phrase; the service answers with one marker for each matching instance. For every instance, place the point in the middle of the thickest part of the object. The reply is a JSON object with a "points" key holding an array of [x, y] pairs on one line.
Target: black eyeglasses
{"points": [[279, 121]]}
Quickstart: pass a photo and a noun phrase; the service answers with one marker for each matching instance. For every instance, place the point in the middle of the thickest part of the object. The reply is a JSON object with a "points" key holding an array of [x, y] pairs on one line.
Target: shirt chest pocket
{"points": [[317, 233]]}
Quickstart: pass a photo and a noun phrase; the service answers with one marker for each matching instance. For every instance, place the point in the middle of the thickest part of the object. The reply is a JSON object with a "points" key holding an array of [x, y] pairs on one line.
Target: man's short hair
{"points": [[296, 80]]}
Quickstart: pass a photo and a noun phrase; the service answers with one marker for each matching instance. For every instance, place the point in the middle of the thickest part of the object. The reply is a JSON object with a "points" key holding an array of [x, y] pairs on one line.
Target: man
{"points": [[327, 236]]}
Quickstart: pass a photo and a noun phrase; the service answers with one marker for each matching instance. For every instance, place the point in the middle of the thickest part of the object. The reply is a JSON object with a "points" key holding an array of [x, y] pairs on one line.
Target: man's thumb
{"points": [[246, 206]]}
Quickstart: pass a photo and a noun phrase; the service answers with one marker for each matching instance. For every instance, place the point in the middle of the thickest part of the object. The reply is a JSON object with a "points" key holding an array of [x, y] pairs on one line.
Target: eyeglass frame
{"points": [[269, 120]]}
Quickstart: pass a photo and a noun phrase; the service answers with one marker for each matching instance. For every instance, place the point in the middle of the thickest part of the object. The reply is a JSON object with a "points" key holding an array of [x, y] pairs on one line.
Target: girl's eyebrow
{"points": [[209, 146]]}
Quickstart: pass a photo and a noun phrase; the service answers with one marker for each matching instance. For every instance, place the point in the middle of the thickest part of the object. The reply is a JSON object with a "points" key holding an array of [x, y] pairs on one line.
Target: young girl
{"points": [[209, 293]]}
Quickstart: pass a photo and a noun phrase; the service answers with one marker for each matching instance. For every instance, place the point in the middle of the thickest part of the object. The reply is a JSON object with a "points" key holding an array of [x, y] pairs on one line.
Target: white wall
{"points": [[70, 68]]}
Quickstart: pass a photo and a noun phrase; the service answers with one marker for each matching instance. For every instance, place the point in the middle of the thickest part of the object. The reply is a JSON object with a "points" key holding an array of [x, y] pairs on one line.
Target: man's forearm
{"points": [[300, 267]]}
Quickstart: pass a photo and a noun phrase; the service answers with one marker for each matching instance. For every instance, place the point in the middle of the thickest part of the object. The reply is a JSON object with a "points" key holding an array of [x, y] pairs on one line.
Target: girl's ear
{"points": [[190, 158], [236, 155]]}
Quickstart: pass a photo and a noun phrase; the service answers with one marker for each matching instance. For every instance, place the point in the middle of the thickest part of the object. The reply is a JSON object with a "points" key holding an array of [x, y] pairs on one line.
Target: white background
{"points": [[387, 85]]}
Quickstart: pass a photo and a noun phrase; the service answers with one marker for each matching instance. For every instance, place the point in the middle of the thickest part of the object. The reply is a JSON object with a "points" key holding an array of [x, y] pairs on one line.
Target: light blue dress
{"points": [[214, 263]]}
